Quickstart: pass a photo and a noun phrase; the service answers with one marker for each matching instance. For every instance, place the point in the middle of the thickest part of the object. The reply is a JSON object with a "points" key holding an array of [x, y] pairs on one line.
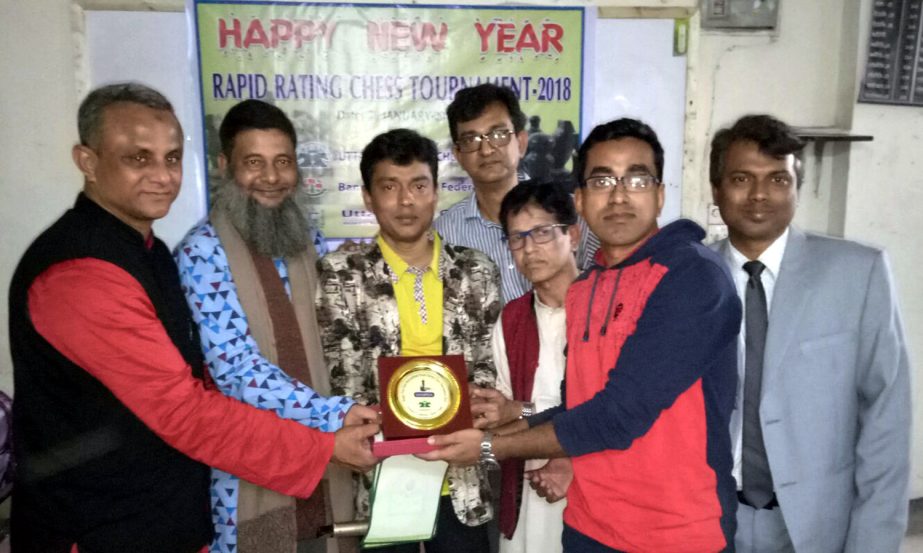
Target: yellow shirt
{"points": [[417, 337]]}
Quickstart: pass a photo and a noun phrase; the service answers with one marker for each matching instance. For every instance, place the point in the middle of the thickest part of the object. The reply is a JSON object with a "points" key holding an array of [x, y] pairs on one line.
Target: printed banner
{"points": [[346, 72]]}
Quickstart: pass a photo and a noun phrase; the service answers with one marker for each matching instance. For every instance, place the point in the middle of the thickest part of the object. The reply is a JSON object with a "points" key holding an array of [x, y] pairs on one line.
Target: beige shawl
{"points": [[266, 519]]}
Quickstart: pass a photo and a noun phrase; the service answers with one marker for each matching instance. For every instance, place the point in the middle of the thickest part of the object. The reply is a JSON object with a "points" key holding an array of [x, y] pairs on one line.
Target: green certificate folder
{"points": [[404, 500]]}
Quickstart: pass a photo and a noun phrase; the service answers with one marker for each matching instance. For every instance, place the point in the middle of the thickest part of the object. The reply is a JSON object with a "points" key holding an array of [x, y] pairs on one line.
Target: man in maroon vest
{"points": [[540, 224]]}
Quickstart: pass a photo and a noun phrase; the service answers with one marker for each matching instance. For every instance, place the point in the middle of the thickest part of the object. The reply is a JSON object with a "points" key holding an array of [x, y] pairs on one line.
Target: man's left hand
{"points": [[552, 480], [459, 448], [490, 408]]}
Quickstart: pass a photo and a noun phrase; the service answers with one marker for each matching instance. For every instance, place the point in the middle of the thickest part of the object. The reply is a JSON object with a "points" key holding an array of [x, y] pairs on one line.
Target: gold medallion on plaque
{"points": [[424, 394]]}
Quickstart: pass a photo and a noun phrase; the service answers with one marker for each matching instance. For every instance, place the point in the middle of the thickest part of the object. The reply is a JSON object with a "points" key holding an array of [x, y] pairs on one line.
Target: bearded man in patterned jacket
{"points": [[248, 275]]}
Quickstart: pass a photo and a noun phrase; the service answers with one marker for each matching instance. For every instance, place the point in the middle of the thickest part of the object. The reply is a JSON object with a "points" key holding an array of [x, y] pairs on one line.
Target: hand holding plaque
{"points": [[421, 396]]}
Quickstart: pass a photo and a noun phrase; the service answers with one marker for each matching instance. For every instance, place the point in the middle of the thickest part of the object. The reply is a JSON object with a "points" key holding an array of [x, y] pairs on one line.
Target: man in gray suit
{"points": [[821, 431]]}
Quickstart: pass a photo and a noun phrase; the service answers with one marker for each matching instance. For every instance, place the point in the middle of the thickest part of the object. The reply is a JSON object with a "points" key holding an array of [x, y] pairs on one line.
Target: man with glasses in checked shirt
{"points": [[651, 370], [409, 293]]}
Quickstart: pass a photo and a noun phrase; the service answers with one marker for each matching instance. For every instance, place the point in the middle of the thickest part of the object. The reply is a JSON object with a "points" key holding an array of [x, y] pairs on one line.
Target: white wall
{"points": [[38, 126], [151, 48], [789, 73], [803, 73], [884, 199]]}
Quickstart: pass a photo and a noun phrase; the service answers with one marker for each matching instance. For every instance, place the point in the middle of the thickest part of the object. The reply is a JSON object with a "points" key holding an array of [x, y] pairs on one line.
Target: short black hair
{"points": [[401, 147], [551, 196], [470, 103], [773, 137], [253, 114], [616, 130], [92, 108]]}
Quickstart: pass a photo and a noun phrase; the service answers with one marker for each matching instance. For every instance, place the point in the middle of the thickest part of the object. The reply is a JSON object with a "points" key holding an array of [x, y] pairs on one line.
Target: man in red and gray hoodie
{"points": [[651, 370]]}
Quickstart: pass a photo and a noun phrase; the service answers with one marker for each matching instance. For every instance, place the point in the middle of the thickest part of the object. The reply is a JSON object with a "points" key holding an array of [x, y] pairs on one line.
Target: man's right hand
{"points": [[460, 448], [353, 447], [361, 414]]}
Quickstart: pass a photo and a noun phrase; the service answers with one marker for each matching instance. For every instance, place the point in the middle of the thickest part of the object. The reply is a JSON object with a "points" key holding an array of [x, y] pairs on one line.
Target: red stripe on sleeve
{"points": [[99, 317]]}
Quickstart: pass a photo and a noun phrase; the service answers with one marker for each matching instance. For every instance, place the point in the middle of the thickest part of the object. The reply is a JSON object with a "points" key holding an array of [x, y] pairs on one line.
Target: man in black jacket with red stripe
{"points": [[113, 418]]}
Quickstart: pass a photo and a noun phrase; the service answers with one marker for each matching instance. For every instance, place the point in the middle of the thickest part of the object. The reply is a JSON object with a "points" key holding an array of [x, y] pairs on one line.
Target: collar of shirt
{"points": [[771, 258], [399, 266], [471, 207], [541, 307], [472, 211]]}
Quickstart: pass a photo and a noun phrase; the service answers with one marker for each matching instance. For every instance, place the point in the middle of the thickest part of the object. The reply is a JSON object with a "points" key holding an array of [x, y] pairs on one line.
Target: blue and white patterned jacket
{"points": [[235, 362]]}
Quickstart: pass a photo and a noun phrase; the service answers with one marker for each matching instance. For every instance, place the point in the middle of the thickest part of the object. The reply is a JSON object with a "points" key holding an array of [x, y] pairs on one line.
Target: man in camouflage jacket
{"points": [[360, 320]]}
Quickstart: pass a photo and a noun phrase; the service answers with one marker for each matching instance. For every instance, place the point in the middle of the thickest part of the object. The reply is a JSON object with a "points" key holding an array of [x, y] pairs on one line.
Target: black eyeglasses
{"points": [[540, 235], [630, 183], [497, 138]]}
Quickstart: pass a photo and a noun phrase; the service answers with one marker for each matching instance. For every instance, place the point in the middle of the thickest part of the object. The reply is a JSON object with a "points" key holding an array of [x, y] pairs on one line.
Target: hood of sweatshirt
{"points": [[664, 240]]}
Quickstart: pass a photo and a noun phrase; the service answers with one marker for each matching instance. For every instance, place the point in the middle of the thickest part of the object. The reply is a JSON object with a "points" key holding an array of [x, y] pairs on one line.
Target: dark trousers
{"points": [[575, 542], [451, 536]]}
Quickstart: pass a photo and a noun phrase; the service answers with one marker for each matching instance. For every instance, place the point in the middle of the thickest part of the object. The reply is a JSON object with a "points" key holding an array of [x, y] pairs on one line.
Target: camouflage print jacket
{"points": [[358, 317]]}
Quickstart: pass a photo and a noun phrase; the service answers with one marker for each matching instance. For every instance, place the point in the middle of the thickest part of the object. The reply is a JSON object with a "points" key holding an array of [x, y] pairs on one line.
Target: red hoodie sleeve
{"points": [[99, 317]]}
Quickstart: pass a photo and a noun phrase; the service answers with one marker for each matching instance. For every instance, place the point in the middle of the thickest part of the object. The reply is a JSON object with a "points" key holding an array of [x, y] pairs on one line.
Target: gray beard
{"points": [[274, 232]]}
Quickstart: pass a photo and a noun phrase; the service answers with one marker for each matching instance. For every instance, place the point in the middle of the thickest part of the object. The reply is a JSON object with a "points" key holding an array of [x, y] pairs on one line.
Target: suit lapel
{"points": [[788, 299]]}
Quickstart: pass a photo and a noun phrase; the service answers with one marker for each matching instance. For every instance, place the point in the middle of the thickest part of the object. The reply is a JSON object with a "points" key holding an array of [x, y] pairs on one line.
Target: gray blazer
{"points": [[835, 406]]}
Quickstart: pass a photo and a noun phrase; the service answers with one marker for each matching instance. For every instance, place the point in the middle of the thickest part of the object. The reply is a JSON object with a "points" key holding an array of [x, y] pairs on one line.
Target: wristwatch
{"points": [[488, 459], [528, 409]]}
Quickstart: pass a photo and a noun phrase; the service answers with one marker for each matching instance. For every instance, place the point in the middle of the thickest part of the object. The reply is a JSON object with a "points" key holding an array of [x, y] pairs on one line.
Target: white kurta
{"points": [[540, 523]]}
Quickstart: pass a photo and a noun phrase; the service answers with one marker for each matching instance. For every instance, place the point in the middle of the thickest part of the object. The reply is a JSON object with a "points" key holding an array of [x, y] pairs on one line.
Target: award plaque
{"points": [[421, 396]]}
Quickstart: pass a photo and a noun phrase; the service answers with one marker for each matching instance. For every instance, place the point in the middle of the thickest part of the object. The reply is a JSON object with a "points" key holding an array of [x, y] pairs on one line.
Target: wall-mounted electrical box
{"points": [[748, 15]]}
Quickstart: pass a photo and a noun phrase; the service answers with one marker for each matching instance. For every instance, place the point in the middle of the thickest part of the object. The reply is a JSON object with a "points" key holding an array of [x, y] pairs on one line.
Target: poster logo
{"points": [[314, 186], [313, 156]]}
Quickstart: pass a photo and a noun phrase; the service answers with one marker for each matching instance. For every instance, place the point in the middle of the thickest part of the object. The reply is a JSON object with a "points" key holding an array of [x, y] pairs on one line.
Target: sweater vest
{"points": [[520, 336]]}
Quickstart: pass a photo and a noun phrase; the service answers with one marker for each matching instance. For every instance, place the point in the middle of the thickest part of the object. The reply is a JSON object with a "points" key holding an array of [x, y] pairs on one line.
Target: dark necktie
{"points": [[757, 480]]}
